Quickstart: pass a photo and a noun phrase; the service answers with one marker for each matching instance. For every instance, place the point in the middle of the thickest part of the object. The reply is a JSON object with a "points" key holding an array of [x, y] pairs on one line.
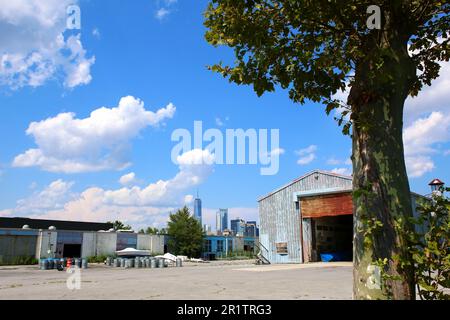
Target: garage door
{"points": [[326, 205]]}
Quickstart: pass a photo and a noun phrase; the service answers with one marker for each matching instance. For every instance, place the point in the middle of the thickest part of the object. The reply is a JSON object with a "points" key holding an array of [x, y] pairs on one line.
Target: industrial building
{"points": [[23, 237], [220, 246], [307, 217]]}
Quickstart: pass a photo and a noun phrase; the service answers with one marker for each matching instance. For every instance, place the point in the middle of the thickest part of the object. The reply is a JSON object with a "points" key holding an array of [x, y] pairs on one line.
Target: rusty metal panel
{"points": [[280, 216], [327, 205]]}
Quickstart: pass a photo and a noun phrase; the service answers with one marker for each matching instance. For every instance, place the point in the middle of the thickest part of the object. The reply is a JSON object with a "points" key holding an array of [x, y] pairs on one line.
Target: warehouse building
{"points": [[308, 217], [23, 237]]}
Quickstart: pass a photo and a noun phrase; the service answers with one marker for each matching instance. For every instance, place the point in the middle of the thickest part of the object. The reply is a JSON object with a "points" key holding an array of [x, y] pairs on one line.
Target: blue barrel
{"points": [[45, 264], [41, 264], [84, 264], [50, 264]]}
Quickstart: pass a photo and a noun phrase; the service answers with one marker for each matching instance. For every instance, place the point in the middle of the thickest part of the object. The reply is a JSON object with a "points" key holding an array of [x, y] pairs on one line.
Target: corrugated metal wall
{"points": [[279, 217]]}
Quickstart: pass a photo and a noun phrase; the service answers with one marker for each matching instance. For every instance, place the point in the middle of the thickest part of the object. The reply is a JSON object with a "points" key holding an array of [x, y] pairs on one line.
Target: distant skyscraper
{"points": [[237, 226], [198, 209], [222, 219], [251, 229]]}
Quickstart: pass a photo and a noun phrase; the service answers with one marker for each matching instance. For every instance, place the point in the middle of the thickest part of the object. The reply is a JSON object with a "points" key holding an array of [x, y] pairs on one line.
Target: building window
{"points": [[208, 246], [126, 240], [219, 245], [281, 247]]}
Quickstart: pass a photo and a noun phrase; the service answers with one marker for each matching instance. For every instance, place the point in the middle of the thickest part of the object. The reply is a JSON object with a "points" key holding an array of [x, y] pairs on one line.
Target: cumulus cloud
{"points": [[148, 206], [99, 142], [420, 140], [307, 155], [432, 98], [34, 49], [128, 179], [52, 197]]}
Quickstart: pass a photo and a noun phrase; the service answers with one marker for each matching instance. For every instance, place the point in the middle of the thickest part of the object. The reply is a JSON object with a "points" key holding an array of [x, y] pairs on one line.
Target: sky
{"points": [[87, 117]]}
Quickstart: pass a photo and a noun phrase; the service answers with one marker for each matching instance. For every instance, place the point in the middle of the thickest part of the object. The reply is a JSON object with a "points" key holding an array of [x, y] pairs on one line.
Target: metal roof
{"points": [[317, 171]]}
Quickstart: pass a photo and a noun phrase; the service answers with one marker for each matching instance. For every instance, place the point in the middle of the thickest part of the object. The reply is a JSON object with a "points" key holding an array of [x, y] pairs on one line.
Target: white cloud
{"points": [[342, 171], [138, 206], [431, 98], [96, 33], [420, 139], [161, 13], [128, 179], [165, 7], [52, 197], [33, 48], [307, 155], [277, 152], [219, 122], [98, 142]]}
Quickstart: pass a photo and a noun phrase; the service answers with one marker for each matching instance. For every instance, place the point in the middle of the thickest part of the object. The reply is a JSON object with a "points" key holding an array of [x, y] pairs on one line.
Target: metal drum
{"points": [[147, 263], [108, 261], [161, 263], [84, 263], [153, 263], [116, 263], [137, 262], [50, 264], [179, 262]]}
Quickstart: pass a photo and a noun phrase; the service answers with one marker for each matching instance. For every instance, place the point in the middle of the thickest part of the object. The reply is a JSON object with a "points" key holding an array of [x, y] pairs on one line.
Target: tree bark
{"points": [[382, 198]]}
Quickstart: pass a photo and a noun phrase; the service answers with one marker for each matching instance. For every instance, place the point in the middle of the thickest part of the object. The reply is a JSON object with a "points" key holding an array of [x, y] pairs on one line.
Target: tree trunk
{"points": [[382, 198]]}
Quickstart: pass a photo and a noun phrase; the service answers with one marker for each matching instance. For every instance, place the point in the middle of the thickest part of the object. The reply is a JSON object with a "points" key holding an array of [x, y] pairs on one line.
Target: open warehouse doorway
{"points": [[327, 227]]}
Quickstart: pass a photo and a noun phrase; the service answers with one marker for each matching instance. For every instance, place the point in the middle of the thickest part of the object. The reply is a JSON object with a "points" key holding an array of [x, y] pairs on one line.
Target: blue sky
{"points": [[154, 53]]}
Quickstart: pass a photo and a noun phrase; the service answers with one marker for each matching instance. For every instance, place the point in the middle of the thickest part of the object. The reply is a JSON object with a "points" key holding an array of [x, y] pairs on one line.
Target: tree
{"points": [[316, 48], [185, 234], [119, 225]]}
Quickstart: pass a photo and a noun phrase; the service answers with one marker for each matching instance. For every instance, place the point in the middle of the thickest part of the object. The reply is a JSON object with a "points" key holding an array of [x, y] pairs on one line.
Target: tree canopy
{"points": [[119, 225], [312, 48], [185, 234]]}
